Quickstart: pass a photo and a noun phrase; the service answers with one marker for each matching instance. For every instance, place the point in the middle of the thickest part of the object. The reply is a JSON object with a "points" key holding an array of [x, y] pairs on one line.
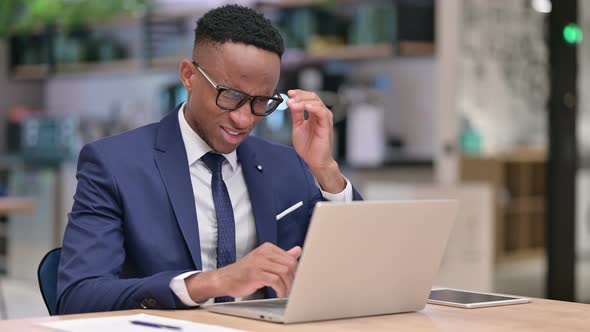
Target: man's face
{"points": [[238, 66]]}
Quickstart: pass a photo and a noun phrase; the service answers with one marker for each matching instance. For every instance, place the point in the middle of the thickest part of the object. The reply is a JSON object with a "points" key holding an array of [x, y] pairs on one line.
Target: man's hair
{"points": [[238, 24]]}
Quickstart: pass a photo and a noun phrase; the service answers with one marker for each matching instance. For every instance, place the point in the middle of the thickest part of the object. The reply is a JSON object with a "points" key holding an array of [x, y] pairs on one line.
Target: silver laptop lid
{"points": [[369, 258]]}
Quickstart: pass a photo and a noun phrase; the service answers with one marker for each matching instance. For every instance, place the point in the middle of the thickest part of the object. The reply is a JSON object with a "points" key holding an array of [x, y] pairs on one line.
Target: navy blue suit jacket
{"points": [[133, 225]]}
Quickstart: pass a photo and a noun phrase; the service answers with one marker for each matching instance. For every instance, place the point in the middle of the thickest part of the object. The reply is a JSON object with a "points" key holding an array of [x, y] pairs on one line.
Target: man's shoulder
{"points": [[128, 143], [142, 135]]}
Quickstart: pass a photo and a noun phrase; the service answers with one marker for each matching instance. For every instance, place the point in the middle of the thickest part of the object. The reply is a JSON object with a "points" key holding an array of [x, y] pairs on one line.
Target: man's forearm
{"points": [[330, 179], [203, 286]]}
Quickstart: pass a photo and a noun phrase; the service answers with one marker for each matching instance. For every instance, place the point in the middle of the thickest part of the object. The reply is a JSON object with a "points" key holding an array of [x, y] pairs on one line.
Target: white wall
{"points": [[412, 104], [583, 176], [584, 82], [503, 73]]}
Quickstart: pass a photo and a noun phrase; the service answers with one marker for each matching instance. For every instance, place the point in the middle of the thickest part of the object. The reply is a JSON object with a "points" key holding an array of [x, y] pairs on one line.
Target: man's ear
{"points": [[186, 74]]}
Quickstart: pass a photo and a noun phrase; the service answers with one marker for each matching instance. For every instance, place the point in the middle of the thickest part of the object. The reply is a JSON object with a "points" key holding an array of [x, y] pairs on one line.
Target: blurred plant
{"points": [[22, 16]]}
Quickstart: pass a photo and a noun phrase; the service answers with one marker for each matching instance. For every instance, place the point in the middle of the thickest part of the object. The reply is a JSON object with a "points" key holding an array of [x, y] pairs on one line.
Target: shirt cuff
{"points": [[178, 286], [343, 196]]}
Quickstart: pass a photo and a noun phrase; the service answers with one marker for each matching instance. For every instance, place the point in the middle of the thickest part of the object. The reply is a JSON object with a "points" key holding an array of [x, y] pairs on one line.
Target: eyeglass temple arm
{"points": [[205, 75]]}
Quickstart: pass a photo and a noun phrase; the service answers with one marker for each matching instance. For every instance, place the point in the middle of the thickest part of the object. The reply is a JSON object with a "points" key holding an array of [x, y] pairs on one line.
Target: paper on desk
{"points": [[123, 323]]}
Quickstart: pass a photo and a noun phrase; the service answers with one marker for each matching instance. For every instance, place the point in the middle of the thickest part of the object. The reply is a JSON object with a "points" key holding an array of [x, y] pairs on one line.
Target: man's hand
{"points": [[313, 139], [265, 266]]}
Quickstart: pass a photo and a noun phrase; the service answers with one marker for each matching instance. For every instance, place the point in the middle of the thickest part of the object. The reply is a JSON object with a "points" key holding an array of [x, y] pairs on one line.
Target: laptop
{"points": [[361, 259]]}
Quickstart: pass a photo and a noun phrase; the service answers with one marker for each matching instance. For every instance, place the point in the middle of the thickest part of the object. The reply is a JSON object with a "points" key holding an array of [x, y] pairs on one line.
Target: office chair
{"points": [[47, 276]]}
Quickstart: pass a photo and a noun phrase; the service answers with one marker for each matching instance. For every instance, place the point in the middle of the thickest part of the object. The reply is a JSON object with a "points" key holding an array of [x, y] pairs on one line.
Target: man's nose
{"points": [[243, 117]]}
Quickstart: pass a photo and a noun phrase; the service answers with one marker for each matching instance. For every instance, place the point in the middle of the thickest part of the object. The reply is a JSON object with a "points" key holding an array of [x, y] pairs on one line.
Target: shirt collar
{"points": [[195, 146]]}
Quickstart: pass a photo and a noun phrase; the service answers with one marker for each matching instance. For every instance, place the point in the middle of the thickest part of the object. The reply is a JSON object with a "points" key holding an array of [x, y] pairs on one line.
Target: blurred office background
{"points": [[483, 101]]}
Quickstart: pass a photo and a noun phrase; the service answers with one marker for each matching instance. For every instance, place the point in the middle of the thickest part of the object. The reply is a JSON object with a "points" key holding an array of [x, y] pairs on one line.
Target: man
{"points": [[192, 209]]}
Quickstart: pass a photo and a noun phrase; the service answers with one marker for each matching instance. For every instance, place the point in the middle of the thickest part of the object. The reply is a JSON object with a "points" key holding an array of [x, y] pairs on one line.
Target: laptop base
{"points": [[272, 310]]}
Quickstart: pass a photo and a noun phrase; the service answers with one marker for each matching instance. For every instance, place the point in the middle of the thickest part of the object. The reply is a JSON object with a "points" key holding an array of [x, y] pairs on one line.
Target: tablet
{"points": [[467, 299]]}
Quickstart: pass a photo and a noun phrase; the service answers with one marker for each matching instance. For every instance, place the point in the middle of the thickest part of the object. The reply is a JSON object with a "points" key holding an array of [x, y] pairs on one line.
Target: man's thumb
{"points": [[295, 251]]}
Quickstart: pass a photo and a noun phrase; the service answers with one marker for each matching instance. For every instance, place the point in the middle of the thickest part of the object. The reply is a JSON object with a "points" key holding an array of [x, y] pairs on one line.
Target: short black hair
{"points": [[238, 24]]}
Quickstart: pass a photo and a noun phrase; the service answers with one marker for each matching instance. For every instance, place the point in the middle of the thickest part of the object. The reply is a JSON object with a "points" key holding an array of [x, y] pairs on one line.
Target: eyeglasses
{"points": [[231, 99]]}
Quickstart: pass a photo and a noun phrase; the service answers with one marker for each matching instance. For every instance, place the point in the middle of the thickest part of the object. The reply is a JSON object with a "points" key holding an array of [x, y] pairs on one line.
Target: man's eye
{"points": [[232, 94], [262, 100]]}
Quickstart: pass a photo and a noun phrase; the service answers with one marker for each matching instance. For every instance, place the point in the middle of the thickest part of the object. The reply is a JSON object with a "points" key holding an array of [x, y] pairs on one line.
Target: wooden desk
{"points": [[541, 315]]}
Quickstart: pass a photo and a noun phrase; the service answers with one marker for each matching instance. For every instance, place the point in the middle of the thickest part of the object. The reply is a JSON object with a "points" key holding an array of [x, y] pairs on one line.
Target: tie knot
{"points": [[213, 161]]}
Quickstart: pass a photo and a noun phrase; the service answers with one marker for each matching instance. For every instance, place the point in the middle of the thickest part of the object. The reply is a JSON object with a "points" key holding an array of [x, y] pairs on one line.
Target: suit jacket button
{"points": [[148, 303], [152, 303]]}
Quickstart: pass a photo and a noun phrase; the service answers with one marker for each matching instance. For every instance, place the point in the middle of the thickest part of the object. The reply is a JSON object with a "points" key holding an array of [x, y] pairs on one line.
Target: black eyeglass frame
{"points": [[220, 89]]}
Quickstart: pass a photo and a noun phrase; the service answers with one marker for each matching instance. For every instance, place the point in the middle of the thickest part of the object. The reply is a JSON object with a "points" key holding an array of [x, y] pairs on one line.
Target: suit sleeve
{"points": [[93, 251]]}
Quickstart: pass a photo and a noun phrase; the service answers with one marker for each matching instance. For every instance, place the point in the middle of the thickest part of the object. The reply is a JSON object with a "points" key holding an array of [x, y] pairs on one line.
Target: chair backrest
{"points": [[47, 276]]}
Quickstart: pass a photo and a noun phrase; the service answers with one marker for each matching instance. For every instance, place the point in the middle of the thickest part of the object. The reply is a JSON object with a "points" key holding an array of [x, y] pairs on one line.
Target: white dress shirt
{"points": [[245, 228]]}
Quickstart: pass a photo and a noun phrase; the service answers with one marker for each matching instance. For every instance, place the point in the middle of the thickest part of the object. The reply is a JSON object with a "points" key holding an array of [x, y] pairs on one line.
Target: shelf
{"points": [[99, 67], [295, 57], [9, 205], [30, 72], [42, 71], [415, 48], [286, 4], [521, 255], [526, 205], [517, 177], [353, 53], [291, 58], [160, 17], [293, 4], [517, 155], [168, 62]]}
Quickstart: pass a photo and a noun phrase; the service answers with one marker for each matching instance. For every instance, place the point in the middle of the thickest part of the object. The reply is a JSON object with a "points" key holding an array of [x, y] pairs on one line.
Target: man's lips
{"points": [[234, 132], [233, 136]]}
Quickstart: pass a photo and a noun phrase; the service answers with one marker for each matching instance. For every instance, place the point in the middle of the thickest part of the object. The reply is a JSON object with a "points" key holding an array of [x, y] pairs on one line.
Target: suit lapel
{"points": [[258, 179], [172, 163]]}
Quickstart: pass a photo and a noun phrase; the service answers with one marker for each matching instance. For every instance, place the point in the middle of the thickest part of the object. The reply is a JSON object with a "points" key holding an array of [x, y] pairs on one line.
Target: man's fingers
{"points": [[297, 112], [287, 264], [302, 94], [275, 254], [278, 255], [275, 260], [315, 109], [282, 257], [295, 92], [284, 272], [275, 282], [300, 101], [320, 114]]}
